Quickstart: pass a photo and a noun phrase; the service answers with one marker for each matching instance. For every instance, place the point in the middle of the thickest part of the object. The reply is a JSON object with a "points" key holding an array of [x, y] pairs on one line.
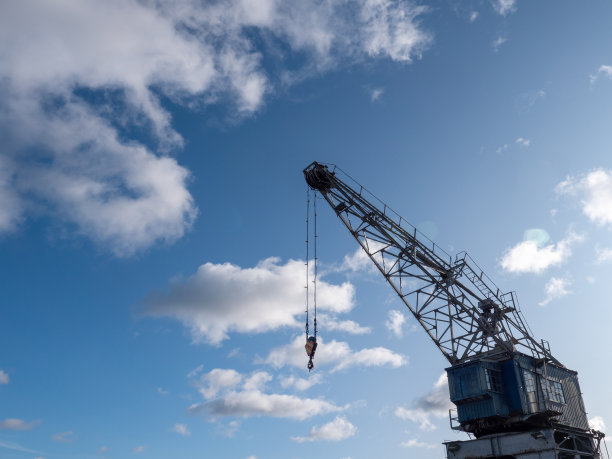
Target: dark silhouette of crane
{"points": [[511, 393]]}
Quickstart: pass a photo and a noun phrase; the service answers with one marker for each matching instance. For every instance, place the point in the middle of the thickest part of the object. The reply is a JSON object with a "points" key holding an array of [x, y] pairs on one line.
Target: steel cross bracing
{"points": [[459, 307]]}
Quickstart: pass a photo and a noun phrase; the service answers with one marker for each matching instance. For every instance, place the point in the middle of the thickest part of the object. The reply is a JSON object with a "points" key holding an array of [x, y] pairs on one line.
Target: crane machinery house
{"points": [[513, 397]]}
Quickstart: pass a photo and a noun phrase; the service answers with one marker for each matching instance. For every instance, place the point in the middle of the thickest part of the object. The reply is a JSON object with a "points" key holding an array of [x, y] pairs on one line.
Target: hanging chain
{"points": [[307, 254], [311, 341], [315, 264]]}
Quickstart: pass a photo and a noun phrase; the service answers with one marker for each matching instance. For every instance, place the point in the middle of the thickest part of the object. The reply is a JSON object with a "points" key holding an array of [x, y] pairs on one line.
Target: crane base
{"points": [[549, 443]]}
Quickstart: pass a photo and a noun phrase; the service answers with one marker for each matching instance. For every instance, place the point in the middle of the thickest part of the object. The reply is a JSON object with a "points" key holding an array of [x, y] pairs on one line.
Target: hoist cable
{"points": [[307, 253], [315, 265]]}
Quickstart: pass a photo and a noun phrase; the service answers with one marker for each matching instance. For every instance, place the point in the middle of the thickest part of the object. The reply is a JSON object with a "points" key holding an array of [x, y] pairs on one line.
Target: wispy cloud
{"points": [[504, 7], [17, 424], [473, 16], [556, 287], [523, 142], [415, 443], [498, 42], [395, 322], [603, 71], [182, 430], [338, 429], [376, 94], [17, 447], [64, 437], [604, 255], [4, 377], [139, 449], [501, 149]]}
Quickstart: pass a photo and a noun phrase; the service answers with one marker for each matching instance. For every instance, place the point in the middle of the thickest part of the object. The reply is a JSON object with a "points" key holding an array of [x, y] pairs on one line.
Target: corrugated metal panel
{"points": [[476, 410], [574, 413]]}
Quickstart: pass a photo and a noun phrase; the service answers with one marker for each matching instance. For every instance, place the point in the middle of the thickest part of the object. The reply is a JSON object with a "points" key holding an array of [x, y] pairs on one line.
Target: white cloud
{"points": [[196, 371], [358, 260], [389, 29], [347, 326], [395, 322], [415, 443], [556, 288], [498, 42], [181, 429], [218, 379], [138, 449], [64, 437], [257, 381], [338, 429], [256, 403], [597, 423], [4, 377], [532, 257], [595, 192], [336, 354], [523, 142], [77, 76], [221, 298], [603, 255], [604, 70], [162, 391], [473, 16], [436, 404], [504, 7], [17, 424], [300, 384], [376, 94]]}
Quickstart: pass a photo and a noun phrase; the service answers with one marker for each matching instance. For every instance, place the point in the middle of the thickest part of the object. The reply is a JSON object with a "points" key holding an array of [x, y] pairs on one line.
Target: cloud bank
{"points": [[82, 81]]}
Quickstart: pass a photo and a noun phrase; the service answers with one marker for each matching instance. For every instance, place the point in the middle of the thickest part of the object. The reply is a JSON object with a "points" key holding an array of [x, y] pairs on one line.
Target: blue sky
{"points": [[152, 214]]}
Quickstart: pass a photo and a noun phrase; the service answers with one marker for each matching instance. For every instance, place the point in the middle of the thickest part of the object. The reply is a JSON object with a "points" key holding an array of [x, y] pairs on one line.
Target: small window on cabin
{"points": [[467, 383], [555, 392], [530, 386], [494, 380]]}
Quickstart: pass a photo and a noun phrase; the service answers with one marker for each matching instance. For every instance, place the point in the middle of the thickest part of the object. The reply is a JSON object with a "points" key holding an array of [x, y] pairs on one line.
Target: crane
{"points": [[511, 394]]}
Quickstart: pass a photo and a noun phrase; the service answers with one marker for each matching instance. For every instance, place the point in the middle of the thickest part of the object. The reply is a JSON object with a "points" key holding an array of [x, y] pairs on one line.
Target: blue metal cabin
{"points": [[501, 392]]}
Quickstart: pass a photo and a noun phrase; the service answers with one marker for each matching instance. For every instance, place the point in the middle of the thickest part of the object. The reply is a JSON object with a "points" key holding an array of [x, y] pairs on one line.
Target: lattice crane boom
{"points": [[461, 309]]}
